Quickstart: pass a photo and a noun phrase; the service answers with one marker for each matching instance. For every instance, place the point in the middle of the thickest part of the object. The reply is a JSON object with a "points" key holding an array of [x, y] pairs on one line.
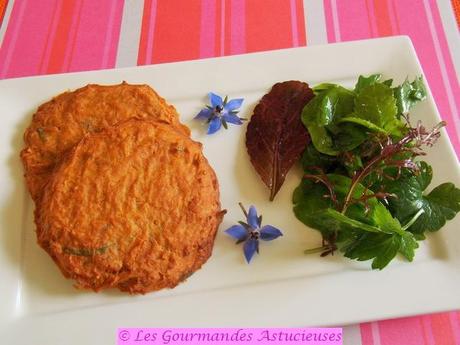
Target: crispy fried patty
{"points": [[135, 206], [61, 123]]}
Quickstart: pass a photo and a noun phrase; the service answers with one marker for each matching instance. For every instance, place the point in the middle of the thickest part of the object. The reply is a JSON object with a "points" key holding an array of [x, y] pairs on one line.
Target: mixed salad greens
{"points": [[363, 187]]}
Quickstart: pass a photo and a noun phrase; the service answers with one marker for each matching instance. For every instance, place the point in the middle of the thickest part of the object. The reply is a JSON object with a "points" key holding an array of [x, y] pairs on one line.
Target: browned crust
{"points": [[135, 206], [61, 123]]}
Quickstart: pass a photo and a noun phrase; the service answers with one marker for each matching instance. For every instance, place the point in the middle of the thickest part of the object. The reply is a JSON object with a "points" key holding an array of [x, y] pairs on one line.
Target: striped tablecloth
{"points": [[57, 36]]}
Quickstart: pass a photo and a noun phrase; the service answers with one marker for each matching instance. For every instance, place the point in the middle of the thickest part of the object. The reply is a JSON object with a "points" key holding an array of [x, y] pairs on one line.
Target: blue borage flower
{"points": [[221, 112], [251, 231]]}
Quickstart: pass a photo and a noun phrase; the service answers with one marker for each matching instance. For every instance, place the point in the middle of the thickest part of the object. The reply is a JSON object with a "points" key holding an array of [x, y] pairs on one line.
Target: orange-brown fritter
{"points": [[135, 206], [61, 123]]}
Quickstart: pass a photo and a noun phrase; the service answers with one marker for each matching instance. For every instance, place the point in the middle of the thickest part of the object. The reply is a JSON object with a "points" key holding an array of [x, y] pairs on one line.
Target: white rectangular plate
{"points": [[282, 286]]}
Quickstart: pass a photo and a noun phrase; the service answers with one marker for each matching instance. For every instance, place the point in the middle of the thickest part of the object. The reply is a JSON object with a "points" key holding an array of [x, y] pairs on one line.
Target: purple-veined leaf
{"points": [[276, 137]]}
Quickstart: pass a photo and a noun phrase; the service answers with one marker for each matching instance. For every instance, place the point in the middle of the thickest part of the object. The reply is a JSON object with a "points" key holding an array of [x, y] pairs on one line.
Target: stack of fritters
{"points": [[124, 198]]}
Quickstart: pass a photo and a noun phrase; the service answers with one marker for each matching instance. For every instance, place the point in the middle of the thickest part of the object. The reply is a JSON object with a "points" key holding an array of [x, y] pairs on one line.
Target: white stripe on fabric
{"points": [[130, 33], [335, 19], [442, 66], [450, 28], [6, 19], [352, 335], [315, 22]]}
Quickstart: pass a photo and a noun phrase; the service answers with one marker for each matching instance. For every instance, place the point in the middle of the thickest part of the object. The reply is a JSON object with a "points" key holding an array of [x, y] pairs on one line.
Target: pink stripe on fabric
{"points": [[335, 19], [449, 74], [92, 32], [455, 324], [391, 334], [366, 334], [111, 27], [50, 37], [295, 34], [238, 27], [207, 28], [222, 26], [428, 330], [72, 37], [151, 32], [115, 35], [371, 18], [329, 21], [25, 41], [354, 20], [375, 333], [413, 21], [11, 37]]}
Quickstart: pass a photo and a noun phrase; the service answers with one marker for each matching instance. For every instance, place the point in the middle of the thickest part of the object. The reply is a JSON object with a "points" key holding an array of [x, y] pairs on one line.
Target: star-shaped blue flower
{"points": [[251, 231], [221, 112]]}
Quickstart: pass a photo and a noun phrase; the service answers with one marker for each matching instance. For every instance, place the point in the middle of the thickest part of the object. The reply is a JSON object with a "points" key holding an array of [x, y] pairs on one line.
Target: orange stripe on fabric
{"points": [[442, 330], [177, 31], [3, 4], [382, 17], [301, 23], [61, 38], [268, 25], [370, 16], [141, 56], [392, 16], [48, 35], [228, 28], [456, 6]]}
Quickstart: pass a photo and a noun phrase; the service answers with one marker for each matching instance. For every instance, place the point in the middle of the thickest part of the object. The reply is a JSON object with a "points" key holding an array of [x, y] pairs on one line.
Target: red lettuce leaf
{"points": [[276, 137]]}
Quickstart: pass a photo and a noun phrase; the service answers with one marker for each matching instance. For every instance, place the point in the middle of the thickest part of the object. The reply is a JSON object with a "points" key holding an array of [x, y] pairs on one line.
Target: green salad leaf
{"points": [[408, 94], [381, 248], [364, 81], [360, 234], [321, 113], [363, 188], [376, 104], [312, 159], [318, 212], [339, 120], [355, 118], [438, 206]]}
